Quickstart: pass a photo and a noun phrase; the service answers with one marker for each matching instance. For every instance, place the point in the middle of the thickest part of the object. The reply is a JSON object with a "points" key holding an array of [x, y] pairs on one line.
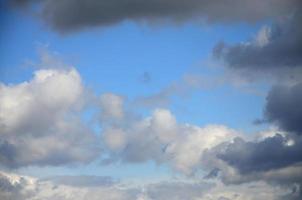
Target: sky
{"points": [[150, 100]]}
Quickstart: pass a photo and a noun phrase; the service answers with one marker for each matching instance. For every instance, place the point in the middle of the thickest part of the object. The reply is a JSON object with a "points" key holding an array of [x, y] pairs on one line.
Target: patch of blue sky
{"points": [[113, 60], [224, 105]]}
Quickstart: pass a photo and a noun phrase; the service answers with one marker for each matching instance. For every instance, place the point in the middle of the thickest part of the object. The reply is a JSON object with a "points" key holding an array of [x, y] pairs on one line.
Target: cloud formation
{"points": [[283, 107], [70, 15], [272, 153], [13, 186], [274, 160], [40, 121], [276, 51], [162, 139]]}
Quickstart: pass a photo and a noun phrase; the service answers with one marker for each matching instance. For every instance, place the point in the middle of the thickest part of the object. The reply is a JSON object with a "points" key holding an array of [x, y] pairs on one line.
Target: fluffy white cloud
{"points": [[162, 139], [40, 121], [187, 151], [31, 106]]}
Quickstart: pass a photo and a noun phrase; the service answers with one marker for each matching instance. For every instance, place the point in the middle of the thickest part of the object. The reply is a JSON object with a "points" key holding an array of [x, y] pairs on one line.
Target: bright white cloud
{"points": [[40, 121]]}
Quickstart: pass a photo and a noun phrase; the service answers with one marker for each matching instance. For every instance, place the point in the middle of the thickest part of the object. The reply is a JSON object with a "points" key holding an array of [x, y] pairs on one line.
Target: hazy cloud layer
{"points": [[82, 181], [69, 15], [18, 187]]}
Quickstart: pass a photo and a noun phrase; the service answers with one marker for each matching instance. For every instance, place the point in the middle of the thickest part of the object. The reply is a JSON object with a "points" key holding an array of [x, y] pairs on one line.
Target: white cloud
{"points": [[39, 102], [40, 121], [112, 107], [162, 139], [188, 150], [17, 187], [115, 139], [250, 191]]}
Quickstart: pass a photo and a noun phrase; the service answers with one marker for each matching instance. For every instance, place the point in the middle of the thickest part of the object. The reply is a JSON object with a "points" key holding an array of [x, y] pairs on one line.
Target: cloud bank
{"points": [[13, 186], [70, 15]]}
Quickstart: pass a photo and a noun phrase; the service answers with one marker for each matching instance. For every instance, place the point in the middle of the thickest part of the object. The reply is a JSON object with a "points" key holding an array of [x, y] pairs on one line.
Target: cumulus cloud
{"points": [[70, 15], [276, 51], [59, 137], [275, 54], [40, 121], [162, 139], [272, 153], [273, 159]]}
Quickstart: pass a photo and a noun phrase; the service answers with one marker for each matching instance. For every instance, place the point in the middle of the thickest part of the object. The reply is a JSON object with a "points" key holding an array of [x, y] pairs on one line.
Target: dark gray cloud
{"points": [[284, 108], [272, 153], [277, 48], [69, 15]]}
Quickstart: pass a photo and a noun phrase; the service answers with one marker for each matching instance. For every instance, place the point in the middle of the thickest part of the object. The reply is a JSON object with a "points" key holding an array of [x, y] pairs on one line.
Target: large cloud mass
{"points": [[162, 139], [272, 153], [68, 15], [276, 51], [16, 187]]}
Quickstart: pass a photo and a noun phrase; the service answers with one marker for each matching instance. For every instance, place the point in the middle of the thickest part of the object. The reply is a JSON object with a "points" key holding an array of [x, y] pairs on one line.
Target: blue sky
{"points": [[150, 97], [114, 59]]}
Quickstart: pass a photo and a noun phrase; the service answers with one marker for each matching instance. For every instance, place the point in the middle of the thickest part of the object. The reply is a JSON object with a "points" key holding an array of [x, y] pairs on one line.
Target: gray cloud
{"points": [[7, 153], [12, 190], [82, 181], [272, 153], [162, 139], [69, 15], [274, 50], [15, 187], [283, 107], [178, 190]]}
